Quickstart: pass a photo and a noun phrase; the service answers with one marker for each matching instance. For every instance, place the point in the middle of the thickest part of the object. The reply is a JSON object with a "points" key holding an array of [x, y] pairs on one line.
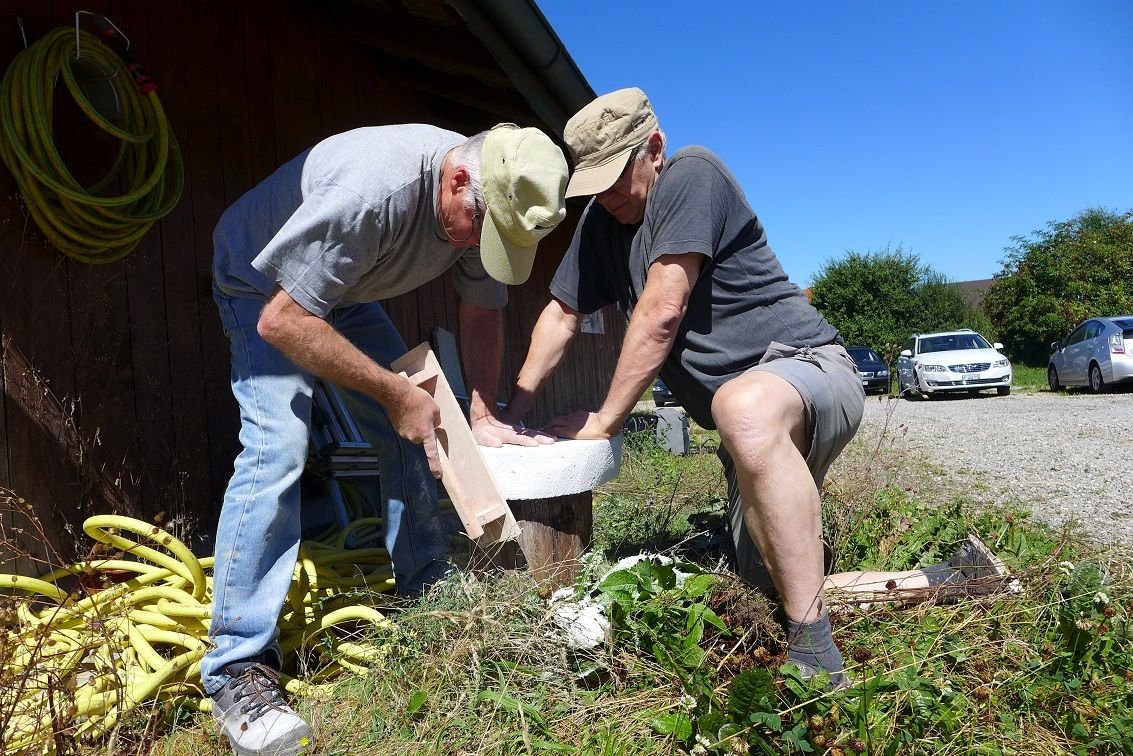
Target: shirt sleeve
{"points": [[581, 280], [322, 250], [688, 209], [473, 284]]}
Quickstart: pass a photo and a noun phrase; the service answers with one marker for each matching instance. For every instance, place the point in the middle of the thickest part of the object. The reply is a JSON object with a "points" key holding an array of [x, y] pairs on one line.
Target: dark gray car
{"points": [[662, 397], [873, 371]]}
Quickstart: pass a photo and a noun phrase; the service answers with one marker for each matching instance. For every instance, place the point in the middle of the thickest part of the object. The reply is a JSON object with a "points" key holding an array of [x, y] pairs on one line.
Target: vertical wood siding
{"points": [[129, 357]]}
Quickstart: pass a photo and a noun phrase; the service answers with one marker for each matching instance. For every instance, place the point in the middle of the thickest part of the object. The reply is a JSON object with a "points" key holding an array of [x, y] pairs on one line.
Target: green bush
{"points": [[879, 298], [1058, 277]]}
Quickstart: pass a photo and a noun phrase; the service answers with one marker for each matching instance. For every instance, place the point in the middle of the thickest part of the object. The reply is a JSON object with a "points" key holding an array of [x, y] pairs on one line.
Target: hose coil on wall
{"points": [[91, 223]]}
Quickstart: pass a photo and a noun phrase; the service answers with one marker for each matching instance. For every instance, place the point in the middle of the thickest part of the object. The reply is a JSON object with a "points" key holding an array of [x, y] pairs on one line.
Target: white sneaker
{"points": [[254, 715]]}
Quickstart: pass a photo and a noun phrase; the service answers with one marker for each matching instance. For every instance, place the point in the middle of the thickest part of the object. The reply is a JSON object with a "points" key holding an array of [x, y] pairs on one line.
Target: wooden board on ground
{"points": [[483, 510]]}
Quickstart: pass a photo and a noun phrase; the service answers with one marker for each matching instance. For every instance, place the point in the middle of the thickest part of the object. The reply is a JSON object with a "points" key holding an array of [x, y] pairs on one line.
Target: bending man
{"points": [[301, 262], [675, 244]]}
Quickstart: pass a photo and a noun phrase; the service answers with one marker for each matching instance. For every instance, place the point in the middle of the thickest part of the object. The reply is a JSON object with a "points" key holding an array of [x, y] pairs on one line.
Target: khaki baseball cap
{"points": [[602, 135], [523, 175]]}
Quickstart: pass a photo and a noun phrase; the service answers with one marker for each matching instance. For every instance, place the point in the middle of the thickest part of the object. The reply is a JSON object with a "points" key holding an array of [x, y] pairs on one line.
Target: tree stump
{"points": [[549, 489]]}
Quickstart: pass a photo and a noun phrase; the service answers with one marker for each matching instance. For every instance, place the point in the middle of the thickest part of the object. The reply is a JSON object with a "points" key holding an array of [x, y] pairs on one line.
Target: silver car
{"points": [[1098, 353]]}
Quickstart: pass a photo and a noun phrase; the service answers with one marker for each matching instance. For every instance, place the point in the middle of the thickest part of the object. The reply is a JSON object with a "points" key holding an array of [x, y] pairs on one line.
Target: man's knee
{"points": [[759, 416]]}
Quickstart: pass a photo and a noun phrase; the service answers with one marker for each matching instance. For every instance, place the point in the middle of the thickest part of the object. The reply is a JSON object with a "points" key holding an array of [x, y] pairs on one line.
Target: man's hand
{"points": [[415, 417], [491, 431], [580, 424]]}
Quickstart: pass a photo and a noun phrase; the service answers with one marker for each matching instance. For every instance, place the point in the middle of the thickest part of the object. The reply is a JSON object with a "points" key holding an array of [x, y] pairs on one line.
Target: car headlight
{"points": [[933, 368], [1001, 363], [882, 373]]}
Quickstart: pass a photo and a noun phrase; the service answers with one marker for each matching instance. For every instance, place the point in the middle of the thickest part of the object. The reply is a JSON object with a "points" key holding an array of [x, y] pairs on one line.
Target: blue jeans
{"points": [[257, 538]]}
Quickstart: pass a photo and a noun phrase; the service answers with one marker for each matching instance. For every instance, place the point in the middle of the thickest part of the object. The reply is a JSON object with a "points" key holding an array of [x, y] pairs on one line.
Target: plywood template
{"points": [[475, 496]]}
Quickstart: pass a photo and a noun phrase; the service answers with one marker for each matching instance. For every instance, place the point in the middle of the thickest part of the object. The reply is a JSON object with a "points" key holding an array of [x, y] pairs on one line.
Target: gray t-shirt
{"points": [[351, 220], [742, 300]]}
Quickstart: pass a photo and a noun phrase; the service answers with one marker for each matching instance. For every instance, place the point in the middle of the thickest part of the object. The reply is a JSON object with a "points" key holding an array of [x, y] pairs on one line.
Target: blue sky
{"points": [[944, 126]]}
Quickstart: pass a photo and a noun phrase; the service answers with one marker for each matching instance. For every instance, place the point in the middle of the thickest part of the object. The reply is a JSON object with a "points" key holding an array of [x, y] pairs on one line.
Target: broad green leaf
{"points": [[747, 691], [417, 699], [713, 619], [698, 585], [622, 579], [692, 657], [677, 725]]}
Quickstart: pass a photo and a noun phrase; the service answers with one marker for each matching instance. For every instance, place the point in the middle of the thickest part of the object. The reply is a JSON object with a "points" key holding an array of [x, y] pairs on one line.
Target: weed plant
{"points": [[692, 661]]}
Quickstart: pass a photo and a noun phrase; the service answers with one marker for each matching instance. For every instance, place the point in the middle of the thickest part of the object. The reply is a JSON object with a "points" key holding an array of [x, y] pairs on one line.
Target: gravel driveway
{"points": [[1063, 456]]}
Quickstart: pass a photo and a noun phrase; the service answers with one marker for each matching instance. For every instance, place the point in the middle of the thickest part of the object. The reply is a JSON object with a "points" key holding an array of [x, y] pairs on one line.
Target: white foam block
{"points": [[559, 469]]}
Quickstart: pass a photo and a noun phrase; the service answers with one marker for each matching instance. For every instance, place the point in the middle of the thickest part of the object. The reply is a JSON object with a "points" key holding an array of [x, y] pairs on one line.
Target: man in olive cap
{"points": [[674, 243], [301, 262]]}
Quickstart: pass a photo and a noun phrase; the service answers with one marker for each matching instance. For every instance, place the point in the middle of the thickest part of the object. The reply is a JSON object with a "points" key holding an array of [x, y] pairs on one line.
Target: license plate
{"points": [[864, 382]]}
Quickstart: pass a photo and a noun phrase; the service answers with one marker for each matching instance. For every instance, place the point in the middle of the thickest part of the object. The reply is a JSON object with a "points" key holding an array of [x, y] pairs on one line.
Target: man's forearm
{"points": [[481, 349], [651, 333], [648, 339], [314, 345]]}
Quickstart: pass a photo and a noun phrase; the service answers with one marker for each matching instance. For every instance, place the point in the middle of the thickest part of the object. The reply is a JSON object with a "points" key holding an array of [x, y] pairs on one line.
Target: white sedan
{"points": [[934, 363]]}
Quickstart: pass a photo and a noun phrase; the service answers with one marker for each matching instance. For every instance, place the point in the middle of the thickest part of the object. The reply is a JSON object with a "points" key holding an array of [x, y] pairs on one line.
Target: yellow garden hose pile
{"points": [[92, 223], [75, 661]]}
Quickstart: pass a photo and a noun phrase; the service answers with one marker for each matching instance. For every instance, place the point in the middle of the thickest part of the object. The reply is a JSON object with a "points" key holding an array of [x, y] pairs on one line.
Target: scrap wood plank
{"points": [[475, 496]]}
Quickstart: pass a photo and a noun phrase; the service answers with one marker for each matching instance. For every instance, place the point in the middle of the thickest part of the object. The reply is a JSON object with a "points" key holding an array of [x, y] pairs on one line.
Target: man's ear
{"points": [[459, 180], [655, 147]]}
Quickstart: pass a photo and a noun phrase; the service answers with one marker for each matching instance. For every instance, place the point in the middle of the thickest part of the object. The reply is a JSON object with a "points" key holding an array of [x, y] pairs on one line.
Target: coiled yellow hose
{"points": [[89, 224], [77, 661]]}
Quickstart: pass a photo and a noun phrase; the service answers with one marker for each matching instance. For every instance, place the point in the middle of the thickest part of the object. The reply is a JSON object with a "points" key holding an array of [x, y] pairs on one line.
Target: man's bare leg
{"points": [[762, 424]]}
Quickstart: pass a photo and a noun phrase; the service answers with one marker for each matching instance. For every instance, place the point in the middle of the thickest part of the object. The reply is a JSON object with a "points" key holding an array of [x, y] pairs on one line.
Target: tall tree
{"points": [[1058, 277], [880, 298]]}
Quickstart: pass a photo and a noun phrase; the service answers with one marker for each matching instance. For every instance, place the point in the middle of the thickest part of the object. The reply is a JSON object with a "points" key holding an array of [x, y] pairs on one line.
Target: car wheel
{"points": [[1052, 379], [916, 387], [1003, 390], [1097, 383]]}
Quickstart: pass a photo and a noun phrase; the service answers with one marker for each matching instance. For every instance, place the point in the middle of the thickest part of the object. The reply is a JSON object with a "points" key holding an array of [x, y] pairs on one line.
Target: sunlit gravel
{"points": [[1063, 456]]}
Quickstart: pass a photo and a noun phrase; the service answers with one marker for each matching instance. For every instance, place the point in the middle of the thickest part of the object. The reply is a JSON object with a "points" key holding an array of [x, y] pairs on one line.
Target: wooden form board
{"points": [[475, 496]]}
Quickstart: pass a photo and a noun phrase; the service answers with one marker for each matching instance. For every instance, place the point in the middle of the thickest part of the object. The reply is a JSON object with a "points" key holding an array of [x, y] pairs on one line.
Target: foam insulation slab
{"points": [[560, 469]]}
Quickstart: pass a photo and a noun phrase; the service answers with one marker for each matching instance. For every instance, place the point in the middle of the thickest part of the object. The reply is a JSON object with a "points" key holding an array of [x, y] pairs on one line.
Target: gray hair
{"points": [[643, 154], [467, 156]]}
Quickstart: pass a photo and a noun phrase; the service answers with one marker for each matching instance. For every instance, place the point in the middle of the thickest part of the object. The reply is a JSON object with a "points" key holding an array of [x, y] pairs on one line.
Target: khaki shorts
{"points": [[833, 400]]}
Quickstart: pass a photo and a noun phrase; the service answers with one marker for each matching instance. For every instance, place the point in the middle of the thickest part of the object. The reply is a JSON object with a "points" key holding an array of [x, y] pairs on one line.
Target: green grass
{"points": [[1026, 378], [479, 665]]}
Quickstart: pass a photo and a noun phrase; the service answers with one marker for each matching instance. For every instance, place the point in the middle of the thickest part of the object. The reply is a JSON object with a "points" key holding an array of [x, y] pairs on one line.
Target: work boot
{"points": [[254, 715]]}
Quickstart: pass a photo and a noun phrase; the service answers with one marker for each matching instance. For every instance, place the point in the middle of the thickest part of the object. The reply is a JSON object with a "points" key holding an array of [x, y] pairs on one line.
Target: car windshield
{"points": [[951, 342], [863, 354], [1124, 324]]}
